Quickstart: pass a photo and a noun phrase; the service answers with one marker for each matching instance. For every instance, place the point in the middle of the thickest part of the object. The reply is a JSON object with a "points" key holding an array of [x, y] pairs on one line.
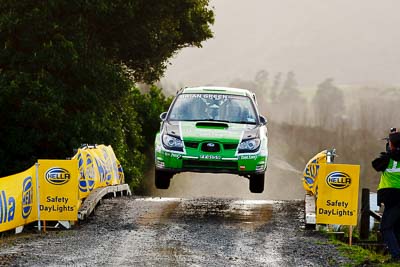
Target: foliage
{"points": [[63, 78], [149, 107]]}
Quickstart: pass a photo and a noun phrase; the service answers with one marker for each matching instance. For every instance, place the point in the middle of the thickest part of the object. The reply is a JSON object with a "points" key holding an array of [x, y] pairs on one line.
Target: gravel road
{"points": [[133, 231]]}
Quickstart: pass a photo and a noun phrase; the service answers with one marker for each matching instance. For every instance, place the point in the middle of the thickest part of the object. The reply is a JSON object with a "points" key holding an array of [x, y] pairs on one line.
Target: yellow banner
{"points": [[312, 171], [18, 204], [58, 181], [88, 172], [62, 185], [98, 167], [337, 201]]}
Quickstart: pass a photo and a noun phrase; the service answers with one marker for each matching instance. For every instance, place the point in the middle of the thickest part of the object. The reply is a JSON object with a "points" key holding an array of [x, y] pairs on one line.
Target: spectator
{"points": [[389, 193]]}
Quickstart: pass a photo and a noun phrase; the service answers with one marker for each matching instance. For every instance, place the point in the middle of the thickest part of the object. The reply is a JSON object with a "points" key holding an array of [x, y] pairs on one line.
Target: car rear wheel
{"points": [[162, 179], [256, 184]]}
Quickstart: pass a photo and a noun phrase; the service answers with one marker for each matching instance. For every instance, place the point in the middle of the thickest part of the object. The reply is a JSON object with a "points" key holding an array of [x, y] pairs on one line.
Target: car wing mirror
{"points": [[163, 116], [263, 120]]}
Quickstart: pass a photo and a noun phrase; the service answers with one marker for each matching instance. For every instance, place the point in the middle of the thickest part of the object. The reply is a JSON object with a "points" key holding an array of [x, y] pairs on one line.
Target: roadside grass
{"points": [[358, 255], [361, 256]]}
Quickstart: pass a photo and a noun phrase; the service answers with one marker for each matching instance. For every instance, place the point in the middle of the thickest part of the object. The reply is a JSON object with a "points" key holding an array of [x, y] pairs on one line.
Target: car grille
{"points": [[210, 147], [191, 144], [195, 145], [230, 146], [231, 165]]}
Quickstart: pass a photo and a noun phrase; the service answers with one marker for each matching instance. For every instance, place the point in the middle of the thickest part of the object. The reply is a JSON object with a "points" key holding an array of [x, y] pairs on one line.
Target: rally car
{"points": [[212, 130]]}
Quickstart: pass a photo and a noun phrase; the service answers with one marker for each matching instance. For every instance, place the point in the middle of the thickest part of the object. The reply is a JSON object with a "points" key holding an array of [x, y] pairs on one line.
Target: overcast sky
{"points": [[356, 42]]}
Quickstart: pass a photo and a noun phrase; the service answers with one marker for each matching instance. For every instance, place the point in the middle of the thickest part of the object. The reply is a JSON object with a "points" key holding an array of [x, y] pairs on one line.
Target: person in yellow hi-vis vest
{"points": [[389, 193]]}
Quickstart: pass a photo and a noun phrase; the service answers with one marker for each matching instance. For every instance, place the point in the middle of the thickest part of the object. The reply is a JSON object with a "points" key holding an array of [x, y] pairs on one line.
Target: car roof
{"points": [[216, 89]]}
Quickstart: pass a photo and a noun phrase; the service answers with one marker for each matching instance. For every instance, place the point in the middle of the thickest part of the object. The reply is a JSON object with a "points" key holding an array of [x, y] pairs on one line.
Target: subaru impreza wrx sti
{"points": [[212, 130]]}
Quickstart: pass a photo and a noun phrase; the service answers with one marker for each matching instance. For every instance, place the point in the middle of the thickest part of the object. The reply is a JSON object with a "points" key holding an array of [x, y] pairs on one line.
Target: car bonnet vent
{"points": [[209, 124]]}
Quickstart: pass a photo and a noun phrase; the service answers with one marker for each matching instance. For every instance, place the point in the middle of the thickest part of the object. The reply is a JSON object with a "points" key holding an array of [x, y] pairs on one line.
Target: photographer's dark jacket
{"points": [[389, 186]]}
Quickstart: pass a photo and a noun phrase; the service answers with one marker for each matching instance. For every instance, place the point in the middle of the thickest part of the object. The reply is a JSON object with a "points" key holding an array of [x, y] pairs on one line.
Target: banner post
{"points": [[38, 196]]}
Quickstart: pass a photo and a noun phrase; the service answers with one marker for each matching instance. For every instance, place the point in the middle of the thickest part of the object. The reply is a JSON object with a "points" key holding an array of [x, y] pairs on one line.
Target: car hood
{"points": [[211, 130]]}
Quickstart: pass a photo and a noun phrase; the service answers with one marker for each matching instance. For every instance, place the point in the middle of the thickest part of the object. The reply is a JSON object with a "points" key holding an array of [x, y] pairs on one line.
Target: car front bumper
{"points": [[242, 164]]}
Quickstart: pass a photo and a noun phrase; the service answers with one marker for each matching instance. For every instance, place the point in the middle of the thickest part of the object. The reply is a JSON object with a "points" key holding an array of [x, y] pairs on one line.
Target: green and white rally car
{"points": [[212, 130]]}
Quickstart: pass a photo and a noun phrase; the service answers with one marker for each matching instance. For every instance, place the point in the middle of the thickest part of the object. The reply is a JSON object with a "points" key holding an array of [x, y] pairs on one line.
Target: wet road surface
{"points": [[132, 231]]}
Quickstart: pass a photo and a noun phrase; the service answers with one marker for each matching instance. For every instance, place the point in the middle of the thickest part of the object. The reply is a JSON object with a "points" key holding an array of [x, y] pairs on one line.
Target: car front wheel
{"points": [[256, 184], [162, 179]]}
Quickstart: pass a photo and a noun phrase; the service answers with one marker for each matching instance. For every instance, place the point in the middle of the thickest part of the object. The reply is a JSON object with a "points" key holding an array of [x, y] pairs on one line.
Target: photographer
{"points": [[389, 192]]}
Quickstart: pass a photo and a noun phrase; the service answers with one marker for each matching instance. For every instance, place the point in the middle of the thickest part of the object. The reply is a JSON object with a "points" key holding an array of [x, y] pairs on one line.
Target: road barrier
{"points": [[53, 190]]}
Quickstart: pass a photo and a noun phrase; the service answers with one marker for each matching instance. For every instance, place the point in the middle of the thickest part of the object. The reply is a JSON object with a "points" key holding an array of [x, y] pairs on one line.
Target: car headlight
{"points": [[249, 145], [172, 143]]}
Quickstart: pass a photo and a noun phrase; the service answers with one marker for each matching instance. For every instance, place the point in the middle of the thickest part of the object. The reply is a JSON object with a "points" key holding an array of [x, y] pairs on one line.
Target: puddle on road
{"points": [[160, 213], [255, 212], [248, 213], [252, 213]]}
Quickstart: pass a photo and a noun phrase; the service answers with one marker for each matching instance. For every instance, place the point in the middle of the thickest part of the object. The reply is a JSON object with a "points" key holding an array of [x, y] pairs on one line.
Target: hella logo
{"points": [[338, 180], [57, 176], [211, 145], [27, 197], [88, 175]]}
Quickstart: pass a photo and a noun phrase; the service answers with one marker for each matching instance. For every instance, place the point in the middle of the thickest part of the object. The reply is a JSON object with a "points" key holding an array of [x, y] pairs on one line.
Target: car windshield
{"points": [[213, 107]]}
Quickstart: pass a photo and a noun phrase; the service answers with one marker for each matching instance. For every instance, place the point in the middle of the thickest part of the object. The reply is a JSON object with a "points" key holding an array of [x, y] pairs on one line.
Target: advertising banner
{"points": [[338, 187], [88, 172], [18, 199], [106, 162], [58, 183], [312, 170], [98, 167], [53, 190]]}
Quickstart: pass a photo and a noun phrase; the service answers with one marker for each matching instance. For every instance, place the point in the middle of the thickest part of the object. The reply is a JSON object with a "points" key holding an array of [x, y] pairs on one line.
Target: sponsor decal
{"points": [[248, 157], [27, 197], [57, 204], [7, 208], [338, 180], [57, 176], [336, 208], [210, 157], [207, 96]]}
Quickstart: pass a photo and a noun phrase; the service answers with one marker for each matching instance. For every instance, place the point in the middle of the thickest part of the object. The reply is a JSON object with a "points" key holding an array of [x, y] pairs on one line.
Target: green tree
{"points": [[67, 73]]}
